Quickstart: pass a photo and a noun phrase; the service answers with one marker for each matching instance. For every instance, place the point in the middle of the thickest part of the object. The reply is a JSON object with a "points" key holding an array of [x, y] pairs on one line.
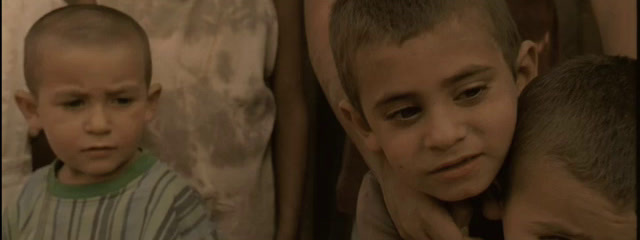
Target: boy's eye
{"points": [[552, 238], [74, 103], [471, 93], [405, 113], [123, 101]]}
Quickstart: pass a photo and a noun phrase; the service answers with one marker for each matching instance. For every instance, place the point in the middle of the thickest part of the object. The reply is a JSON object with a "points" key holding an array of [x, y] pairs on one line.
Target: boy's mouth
{"points": [[98, 148], [99, 151], [456, 168]]}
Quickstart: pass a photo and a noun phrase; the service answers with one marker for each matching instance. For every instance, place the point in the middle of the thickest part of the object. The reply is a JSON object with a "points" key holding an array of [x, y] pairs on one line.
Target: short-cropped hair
{"points": [[583, 115], [83, 24]]}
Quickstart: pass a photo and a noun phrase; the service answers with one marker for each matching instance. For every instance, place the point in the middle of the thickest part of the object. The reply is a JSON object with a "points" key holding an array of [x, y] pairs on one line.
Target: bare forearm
{"points": [[317, 14], [290, 166], [291, 130], [617, 23]]}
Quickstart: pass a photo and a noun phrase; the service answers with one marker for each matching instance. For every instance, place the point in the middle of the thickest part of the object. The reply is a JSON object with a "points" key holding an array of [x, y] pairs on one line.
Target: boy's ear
{"points": [[28, 105], [526, 64], [152, 101], [358, 121]]}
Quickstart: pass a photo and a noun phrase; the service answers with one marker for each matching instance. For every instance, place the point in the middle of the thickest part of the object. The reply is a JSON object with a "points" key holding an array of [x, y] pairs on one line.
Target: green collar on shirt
{"points": [[143, 163]]}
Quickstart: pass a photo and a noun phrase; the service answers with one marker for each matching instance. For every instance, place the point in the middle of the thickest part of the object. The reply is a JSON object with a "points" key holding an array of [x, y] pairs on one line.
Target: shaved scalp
{"points": [[583, 115], [84, 25]]}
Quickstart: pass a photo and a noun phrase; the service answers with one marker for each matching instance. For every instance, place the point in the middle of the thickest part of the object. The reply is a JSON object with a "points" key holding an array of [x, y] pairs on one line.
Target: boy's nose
{"points": [[98, 122], [443, 131]]}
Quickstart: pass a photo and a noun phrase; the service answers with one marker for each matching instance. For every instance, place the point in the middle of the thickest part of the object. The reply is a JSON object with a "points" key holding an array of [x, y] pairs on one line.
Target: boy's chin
{"points": [[457, 192]]}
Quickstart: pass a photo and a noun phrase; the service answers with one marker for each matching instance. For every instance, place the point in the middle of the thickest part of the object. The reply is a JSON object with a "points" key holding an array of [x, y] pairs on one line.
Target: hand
{"points": [[416, 215]]}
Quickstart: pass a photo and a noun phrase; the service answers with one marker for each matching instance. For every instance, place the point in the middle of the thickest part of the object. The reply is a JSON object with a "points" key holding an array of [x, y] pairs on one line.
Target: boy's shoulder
{"points": [[35, 186], [171, 192], [162, 182], [164, 176], [39, 177], [32, 191], [158, 179]]}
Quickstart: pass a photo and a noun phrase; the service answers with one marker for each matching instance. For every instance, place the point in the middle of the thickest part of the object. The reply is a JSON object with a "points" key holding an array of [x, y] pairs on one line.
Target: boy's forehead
{"points": [[55, 64], [53, 49], [439, 54], [456, 28], [53, 41]]}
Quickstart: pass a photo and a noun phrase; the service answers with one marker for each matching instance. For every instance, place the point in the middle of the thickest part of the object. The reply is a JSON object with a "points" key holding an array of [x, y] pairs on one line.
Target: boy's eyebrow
{"points": [[466, 72], [123, 88], [74, 92], [391, 97], [562, 231]]}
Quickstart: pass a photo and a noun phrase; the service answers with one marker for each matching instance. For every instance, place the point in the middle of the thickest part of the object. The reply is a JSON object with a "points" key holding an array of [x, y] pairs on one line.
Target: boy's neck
{"points": [[461, 212]]}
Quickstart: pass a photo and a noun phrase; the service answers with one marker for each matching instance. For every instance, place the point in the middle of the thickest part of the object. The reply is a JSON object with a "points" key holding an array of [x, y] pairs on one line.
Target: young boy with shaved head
{"points": [[88, 72]]}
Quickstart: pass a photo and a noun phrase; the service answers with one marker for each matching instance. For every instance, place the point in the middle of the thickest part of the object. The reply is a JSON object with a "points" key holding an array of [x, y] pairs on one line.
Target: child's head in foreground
{"points": [[573, 157], [88, 71], [433, 85]]}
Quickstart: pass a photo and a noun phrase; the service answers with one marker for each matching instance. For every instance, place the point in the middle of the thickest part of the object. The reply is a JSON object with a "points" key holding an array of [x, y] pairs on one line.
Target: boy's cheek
{"points": [[409, 171], [406, 155], [403, 151]]}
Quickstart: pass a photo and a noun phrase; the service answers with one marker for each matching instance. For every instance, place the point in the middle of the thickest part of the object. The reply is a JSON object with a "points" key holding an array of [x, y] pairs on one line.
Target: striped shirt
{"points": [[147, 201]]}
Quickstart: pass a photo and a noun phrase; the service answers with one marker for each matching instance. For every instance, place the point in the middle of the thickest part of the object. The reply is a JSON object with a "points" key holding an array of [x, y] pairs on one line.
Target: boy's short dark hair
{"points": [[583, 116], [356, 23], [83, 24]]}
